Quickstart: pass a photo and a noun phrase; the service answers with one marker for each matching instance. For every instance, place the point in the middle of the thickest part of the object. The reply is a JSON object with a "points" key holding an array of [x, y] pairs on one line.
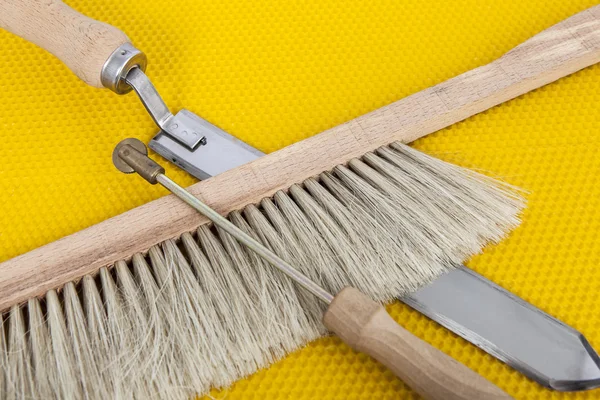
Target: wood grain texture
{"points": [[81, 43], [554, 53], [365, 326]]}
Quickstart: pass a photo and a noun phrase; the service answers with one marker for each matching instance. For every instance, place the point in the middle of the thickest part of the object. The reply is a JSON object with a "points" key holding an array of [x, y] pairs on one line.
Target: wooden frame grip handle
{"points": [[556, 52], [81, 43], [367, 327]]}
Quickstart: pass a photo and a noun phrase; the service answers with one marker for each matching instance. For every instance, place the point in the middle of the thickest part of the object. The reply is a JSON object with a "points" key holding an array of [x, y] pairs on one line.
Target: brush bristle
{"points": [[203, 311]]}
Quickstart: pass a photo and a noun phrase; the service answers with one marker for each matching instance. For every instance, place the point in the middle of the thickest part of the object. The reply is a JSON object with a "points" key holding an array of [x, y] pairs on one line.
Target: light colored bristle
{"points": [[361, 230], [142, 358], [105, 353], [266, 286], [4, 383], [196, 321], [348, 253], [430, 209], [3, 358], [234, 300], [493, 206], [423, 258], [168, 342], [80, 343], [19, 366], [202, 311], [42, 359], [305, 237], [370, 223], [279, 238], [68, 381], [121, 334]]}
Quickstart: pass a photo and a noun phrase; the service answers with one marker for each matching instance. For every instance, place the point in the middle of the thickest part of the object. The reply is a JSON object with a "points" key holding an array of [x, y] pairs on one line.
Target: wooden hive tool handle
{"points": [[81, 43], [367, 327]]}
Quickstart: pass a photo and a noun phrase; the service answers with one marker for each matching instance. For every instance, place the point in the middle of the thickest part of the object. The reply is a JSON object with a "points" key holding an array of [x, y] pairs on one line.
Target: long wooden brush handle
{"points": [[558, 51], [367, 327], [81, 43]]}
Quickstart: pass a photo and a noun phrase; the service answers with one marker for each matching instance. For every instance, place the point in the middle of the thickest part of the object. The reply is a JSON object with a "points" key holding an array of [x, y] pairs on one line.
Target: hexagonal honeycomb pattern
{"points": [[275, 72]]}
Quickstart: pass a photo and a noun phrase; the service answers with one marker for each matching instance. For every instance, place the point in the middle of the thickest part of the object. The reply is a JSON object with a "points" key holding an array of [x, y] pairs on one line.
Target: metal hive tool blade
{"points": [[534, 343], [218, 152]]}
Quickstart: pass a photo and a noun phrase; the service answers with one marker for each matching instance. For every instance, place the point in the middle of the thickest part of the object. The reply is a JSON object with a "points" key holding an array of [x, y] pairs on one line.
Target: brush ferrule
{"points": [[121, 61]]}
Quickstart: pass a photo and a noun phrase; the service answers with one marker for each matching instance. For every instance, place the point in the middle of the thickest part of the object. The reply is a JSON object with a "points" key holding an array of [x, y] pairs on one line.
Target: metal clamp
{"points": [[177, 126]]}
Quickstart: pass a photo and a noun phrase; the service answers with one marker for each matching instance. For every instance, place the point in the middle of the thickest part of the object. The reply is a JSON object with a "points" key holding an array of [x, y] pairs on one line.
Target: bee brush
{"points": [[359, 321]]}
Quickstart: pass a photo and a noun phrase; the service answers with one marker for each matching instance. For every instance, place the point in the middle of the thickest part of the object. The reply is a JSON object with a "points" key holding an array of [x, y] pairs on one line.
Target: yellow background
{"points": [[275, 72]]}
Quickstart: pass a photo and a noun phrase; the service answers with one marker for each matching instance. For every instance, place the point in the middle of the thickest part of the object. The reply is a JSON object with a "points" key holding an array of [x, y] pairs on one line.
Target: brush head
{"points": [[202, 311]]}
